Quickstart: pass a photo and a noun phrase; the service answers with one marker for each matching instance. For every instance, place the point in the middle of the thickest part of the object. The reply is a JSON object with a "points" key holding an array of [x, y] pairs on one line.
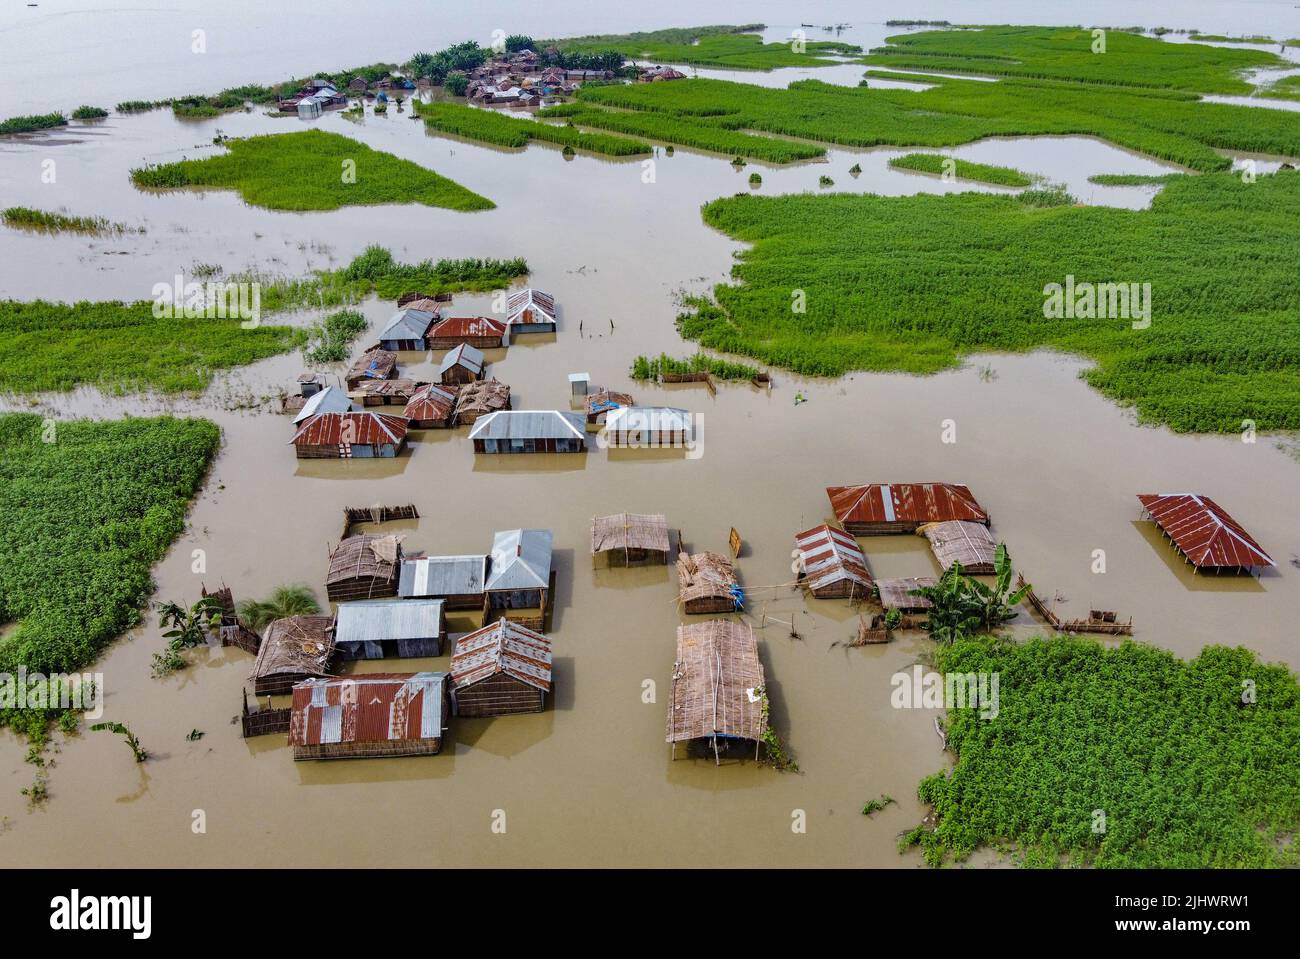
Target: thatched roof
{"points": [[629, 531], [896, 593], [296, 645], [365, 555], [482, 397], [970, 544], [715, 680], [704, 575]]}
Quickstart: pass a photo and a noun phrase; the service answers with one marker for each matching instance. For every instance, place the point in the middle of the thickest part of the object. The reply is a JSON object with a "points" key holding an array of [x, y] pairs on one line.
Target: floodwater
{"points": [[590, 781]]}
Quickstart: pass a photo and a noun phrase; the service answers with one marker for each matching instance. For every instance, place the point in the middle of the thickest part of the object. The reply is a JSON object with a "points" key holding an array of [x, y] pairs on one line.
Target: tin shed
{"points": [[387, 628], [369, 716], [499, 670]]}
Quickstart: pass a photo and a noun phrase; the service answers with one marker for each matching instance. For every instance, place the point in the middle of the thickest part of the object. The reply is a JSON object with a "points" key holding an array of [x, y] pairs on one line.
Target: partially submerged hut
{"points": [[394, 392], [831, 564], [329, 400], [456, 580], [957, 541], [373, 364], [653, 427], [293, 649], [464, 364], [364, 566], [902, 507], [628, 539], [482, 332], [408, 330], [500, 670], [1203, 531], [530, 311], [602, 401], [529, 431], [519, 573], [349, 436], [375, 715], [717, 693], [388, 628], [706, 583], [431, 407], [479, 399], [896, 593]]}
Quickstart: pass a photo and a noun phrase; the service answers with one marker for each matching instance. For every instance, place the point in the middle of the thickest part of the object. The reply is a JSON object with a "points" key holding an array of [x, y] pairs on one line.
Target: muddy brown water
{"points": [[590, 781]]}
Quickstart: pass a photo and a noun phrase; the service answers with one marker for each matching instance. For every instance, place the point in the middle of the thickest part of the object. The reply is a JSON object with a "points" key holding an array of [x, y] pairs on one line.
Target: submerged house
{"points": [[373, 364], [628, 539], [529, 431], [293, 649], [1204, 533], [958, 541], [350, 435], [329, 400], [717, 696], [408, 330], [431, 407], [364, 566], [395, 392], [902, 507], [831, 564], [456, 580], [388, 628], [530, 311], [896, 593], [599, 404], [642, 427], [479, 399], [500, 670], [369, 715], [519, 574], [481, 332], [706, 583], [464, 364]]}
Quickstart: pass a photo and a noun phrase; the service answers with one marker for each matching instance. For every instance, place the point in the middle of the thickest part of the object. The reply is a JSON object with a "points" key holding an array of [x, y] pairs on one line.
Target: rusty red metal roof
{"points": [[371, 707], [431, 402], [1203, 530], [502, 647], [829, 555], [469, 326], [905, 503], [327, 429]]}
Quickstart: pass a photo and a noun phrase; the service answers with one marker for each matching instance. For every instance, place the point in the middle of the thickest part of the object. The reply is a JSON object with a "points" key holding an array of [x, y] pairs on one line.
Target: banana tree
{"points": [[962, 606]]}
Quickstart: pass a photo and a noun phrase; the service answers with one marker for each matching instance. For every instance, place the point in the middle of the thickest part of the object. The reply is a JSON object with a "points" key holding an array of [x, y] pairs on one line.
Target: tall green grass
{"points": [[488, 126], [962, 169], [23, 217], [310, 171], [30, 124], [730, 47], [912, 283]]}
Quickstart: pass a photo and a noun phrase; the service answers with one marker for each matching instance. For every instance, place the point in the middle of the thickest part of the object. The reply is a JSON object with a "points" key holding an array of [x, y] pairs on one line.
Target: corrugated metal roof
{"points": [[523, 299], [430, 402], [327, 429], [1204, 531], [656, 419], [328, 400], [529, 425], [905, 503], [521, 559], [408, 324], [374, 620], [502, 647], [468, 326], [470, 357], [374, 363], [442, 576], [829, 555], [371, 707]]}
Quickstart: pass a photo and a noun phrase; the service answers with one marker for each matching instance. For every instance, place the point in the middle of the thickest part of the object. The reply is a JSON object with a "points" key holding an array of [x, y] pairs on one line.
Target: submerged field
{"points": [[732, 47], [312, 170], [911, 283], [86, 509], [1122, 757]]}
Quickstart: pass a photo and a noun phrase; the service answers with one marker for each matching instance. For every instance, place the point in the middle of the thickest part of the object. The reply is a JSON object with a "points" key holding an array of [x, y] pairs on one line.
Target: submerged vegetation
{"points": [[257, 614], [1133, 179], [731, 47], [652, 367], [332, 337], [22, 217], [1123, 757], [86, 509], [30, 124], [1222, 344], [487, 126], [312, 170], [89, 113], [961, 169]]}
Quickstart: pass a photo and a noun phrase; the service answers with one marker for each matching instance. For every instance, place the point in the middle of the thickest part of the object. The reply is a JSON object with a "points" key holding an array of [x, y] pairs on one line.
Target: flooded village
{"points": [[565, 615]]}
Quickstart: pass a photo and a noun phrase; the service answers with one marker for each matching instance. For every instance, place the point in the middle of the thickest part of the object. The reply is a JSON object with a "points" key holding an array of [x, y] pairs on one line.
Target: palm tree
{"points": [[285, 601]]}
